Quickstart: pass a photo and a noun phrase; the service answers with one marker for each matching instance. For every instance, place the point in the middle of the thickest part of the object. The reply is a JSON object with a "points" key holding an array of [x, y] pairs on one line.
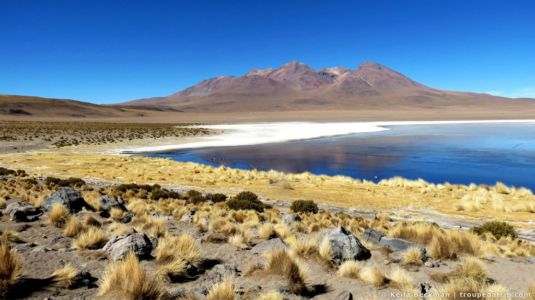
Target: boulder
{"points": [[139, 243], [106, 203], [395, 244], [373, 236], [22, 212], [344, 245], [69, 198]]}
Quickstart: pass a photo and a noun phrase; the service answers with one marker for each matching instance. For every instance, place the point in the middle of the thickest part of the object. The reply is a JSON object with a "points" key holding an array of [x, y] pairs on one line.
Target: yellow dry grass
{"points": [[349, 269], [342, 191], [58, 215], [183, 247], [128, 280], [93, 238], [10, 266], [412, 256], [223, 290], [65, 275], [281, 262], [373, 275], [73, 227]]}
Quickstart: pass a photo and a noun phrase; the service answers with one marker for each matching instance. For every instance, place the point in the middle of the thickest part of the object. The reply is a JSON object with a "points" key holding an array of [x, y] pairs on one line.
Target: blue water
{"points": [[479, 153]]}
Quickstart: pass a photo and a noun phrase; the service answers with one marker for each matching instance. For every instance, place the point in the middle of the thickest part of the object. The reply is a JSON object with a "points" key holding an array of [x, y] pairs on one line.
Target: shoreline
{"points": [[276, 132]]}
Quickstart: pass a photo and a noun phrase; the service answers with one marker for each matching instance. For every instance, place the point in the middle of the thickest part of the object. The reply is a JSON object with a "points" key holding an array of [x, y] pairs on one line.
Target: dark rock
{"points": [[69, 198], [373, 236], [395, 244], [106, 203], [127, 217], [344, 245], [139, 243], [425, 287], [23, 212]]}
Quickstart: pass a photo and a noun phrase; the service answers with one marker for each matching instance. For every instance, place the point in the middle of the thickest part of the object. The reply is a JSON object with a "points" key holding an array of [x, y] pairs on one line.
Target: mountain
{"points": [[298, 87]]}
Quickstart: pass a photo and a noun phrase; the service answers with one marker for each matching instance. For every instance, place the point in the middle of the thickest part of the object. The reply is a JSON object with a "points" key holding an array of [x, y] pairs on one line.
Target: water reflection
{"points": [[438, 153]]}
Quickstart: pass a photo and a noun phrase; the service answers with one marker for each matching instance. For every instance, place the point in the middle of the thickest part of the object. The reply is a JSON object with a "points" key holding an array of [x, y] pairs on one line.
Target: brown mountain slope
{"points": [[297, 87], [29, 107]]}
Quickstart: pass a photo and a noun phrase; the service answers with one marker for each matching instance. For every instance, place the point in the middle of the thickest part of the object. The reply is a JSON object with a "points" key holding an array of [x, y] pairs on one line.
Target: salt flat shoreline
{"points": [[264, 133]]}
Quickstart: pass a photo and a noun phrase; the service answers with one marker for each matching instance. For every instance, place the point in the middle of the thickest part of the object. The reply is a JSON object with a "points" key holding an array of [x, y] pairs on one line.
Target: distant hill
{"points": [[28, 107], [296, 86]]}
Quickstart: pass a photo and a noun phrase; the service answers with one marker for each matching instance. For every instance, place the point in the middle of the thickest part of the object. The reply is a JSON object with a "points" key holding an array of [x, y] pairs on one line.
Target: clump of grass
{"points": [[412, 256], [127, 279], [93, 238], [472, 267], [280, 262], [58, 215], [401, 280], [173, 270], [64, 276], [373, 275], [497, 229], [349, 269], [246, 200], [73, 227], [223, 290], [10, 266], [2, 203], [178, 247], [304, 206]]}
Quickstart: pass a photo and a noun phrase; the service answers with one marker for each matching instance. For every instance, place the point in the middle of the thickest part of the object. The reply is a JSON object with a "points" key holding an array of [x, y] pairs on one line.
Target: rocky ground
{"points": [[188, 245]]}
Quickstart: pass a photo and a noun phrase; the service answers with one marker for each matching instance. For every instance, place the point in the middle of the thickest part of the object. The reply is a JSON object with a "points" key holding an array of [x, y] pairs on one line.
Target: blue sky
{"points": [[109, 51]]}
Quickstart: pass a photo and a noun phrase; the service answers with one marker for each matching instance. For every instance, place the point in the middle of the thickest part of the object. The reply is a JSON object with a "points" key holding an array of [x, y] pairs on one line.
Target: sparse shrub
{"points": [[6, 172], [216, 197], [160, 193], [246, 200], [129, 280], [497, 229], [71, 181], [10, 266], [305, 206], [195, 197]]}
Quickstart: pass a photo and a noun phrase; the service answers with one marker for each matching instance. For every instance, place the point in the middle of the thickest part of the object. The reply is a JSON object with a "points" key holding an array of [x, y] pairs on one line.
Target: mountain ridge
{"points": [[297, 86]]}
